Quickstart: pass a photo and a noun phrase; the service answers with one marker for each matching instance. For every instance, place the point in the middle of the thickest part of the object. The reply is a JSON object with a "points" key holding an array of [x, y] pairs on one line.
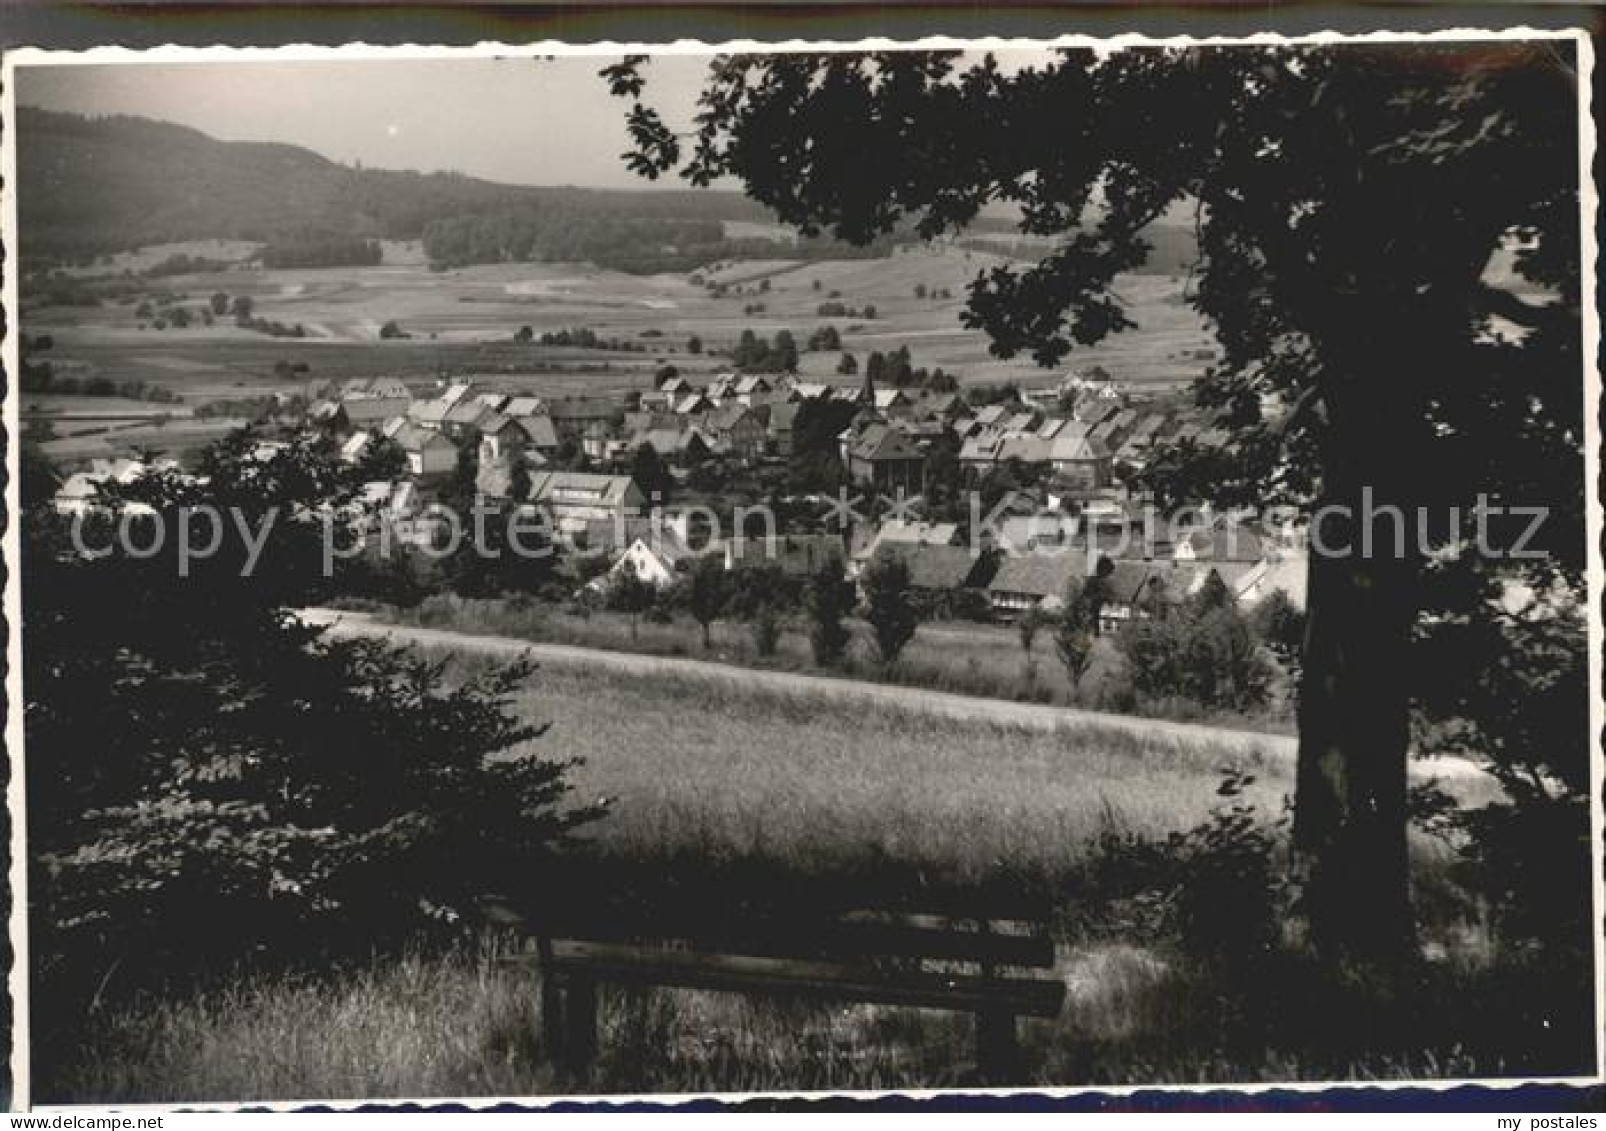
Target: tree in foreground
{"points": [[630, 594], [1076, 632], [1030, 623], [761, 597], [705, 591], [889, 605], [213, 782], [1349, 202], [827, 601]]}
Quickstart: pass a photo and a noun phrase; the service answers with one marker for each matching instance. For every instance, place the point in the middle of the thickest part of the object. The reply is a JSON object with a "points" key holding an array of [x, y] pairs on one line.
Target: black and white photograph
{"points": [[838, 568]]}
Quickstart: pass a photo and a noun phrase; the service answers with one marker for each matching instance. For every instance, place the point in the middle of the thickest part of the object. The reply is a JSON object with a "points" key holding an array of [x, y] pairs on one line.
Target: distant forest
{"points": [[93, 186], [624, 243], [90, 187]]}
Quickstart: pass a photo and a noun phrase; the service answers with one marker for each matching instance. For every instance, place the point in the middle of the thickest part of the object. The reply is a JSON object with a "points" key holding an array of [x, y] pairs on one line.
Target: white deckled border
{"points": [[173, 54]]}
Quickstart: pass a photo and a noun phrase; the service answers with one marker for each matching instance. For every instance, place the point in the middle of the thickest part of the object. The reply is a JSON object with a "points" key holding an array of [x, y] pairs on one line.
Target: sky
{"points": [[539, 121], [516, 120]]}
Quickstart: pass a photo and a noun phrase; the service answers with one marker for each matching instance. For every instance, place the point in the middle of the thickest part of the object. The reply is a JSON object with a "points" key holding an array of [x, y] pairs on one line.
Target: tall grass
{"points": [[959, 657], [726, 783], [708, 765]]}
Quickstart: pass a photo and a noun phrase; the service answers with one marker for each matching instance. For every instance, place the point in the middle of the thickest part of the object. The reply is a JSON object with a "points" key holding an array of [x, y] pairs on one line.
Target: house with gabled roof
{"points": [[693, 403], [356, 446], [388, 388], [542, 433], [574, 498], [465, 420], [1036, 579], [936, 570], [428, 451], [681, 447], [1021, 422], [738, 430], [577, 417], [890, 400], [882, 458], [942, 406], [1080, 462], [782, 419], [750, 385], [364, 412], [428, 414], [329, 415], [991, 415], [658, 558]]}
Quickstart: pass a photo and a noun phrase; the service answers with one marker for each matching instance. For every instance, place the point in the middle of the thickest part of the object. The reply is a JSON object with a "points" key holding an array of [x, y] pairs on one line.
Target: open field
{"points": [[700, 764], [720, 773], [962, 657], [463, 319]]}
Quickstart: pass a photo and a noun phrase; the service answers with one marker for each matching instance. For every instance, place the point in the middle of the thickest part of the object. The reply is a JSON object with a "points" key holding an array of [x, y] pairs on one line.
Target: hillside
{"points": [[88, 186]]}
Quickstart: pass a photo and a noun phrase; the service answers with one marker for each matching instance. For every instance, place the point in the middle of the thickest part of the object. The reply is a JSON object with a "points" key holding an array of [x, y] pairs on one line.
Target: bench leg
{"points": [[552, 1017], [569, 1021], [997, 1050], [580, 1023]]}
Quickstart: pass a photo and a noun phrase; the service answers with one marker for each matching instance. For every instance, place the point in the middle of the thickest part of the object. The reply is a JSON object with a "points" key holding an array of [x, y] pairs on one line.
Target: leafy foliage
{"points": [[889, 605], [1203, 651], [1349, 204], [705, 591], [214, 781], [827, 601]]}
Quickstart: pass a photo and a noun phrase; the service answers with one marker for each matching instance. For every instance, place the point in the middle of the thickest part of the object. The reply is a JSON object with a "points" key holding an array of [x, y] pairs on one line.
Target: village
{"points": [[646, 483]]}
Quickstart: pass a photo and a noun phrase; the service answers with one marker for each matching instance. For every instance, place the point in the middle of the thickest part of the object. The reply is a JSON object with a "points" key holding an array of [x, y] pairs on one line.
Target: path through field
{"points": [[1034, 716]]}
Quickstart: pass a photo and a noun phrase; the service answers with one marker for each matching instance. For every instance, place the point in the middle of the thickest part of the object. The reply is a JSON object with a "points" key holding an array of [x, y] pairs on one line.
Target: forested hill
{"points": [[88, 186]]}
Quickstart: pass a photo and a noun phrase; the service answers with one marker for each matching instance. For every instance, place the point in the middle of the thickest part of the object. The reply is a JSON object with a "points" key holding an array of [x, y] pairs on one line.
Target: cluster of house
{"points": [[1026, 559], [1026, 562]]}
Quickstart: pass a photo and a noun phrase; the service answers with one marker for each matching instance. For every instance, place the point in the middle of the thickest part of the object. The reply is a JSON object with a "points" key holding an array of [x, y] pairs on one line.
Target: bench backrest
{"points": [[872, 937]]}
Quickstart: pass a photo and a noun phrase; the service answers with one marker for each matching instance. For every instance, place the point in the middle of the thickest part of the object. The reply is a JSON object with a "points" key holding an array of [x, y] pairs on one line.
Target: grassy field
{"points": [[462, 321], [963, 657], [712, 772], [698, 764]]}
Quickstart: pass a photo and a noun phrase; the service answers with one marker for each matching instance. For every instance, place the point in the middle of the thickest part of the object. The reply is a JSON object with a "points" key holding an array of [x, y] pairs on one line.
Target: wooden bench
{"points": [[988, 967]]}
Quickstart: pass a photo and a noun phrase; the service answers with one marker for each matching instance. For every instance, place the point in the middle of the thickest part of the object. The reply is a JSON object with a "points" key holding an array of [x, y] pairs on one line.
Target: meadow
{"points": [[956, 656], [462, 320], [709, 773]]}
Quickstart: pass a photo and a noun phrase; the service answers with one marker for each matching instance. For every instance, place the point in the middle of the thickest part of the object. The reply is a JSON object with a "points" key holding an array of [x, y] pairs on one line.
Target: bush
{"points": [[1202, 651], [889, 605], [208, 765], [828, 602]]}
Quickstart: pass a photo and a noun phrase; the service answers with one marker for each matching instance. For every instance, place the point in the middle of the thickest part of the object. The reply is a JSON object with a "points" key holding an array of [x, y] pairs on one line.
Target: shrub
{"points": [[211, 790], [1203, 651], [889, 605], [828, 602]]}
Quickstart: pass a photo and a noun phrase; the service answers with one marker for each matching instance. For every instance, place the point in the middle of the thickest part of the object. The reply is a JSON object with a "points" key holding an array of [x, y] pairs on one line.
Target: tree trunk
{"points": [[1350, 812]]}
